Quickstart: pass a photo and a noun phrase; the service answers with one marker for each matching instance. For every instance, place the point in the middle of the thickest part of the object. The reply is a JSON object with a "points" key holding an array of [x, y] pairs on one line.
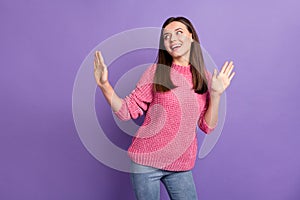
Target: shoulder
{"points": [[148, 75], [151, 68]]}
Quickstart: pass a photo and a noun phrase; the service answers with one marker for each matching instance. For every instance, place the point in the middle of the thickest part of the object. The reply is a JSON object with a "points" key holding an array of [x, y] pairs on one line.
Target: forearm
{"points": [[111, 97], [212, 113]]}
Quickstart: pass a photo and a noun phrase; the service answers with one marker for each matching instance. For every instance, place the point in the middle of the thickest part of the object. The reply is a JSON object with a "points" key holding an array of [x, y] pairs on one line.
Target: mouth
{"points": [[175, 46]]}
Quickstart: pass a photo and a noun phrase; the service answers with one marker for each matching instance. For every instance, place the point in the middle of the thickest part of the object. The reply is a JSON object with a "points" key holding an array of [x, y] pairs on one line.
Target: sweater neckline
{"points": [[182, 69]]}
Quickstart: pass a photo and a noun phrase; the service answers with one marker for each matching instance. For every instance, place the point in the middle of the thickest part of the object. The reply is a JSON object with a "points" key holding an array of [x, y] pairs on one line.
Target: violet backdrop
{"points": [[43, 44]]}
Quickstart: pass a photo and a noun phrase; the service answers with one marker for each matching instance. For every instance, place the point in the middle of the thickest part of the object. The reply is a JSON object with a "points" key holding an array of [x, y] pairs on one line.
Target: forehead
{"points": [[173, 26]]}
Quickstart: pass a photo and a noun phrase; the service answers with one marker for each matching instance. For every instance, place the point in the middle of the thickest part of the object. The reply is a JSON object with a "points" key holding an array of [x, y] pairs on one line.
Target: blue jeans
{"points": [[146, 183]]}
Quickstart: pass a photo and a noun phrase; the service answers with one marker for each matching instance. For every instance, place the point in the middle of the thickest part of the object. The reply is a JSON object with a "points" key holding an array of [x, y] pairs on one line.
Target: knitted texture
{"points": [[167, 138]]}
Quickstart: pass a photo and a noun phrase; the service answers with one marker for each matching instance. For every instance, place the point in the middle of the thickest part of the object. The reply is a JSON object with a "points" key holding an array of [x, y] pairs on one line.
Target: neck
{"points": [[181, 61]]}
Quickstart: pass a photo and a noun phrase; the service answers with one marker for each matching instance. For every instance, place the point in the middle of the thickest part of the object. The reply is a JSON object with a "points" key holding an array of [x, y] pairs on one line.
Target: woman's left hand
{"points": [[220, 81]]}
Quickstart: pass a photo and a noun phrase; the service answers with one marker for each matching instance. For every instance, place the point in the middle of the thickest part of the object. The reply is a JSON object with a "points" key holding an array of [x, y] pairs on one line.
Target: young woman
{"points": [[176, 94]]}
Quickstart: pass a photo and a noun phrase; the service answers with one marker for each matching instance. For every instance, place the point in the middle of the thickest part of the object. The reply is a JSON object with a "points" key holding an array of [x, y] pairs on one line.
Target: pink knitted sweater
{"points": [[167, 138]]}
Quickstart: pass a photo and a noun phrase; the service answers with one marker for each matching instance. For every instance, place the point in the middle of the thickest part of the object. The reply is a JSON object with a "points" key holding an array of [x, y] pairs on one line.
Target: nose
{"points": [[173, 37]]}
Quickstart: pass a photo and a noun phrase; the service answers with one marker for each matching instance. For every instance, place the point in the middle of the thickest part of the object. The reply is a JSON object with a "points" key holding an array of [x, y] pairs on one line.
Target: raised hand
{"points": [[100, 69], [220, 81]]}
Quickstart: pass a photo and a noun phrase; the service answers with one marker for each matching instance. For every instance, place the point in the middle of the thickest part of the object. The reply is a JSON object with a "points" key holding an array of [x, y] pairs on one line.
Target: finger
{"points": [[100, 58], [228, 67], [215, 73], [228, 72], [231, 76], [96, 65], [98, 55], [224, 67], [104, 68], [96, 60]]}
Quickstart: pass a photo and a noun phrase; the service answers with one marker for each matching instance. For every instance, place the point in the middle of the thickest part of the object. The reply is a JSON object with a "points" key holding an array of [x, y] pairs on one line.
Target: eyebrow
{"points": [[175, 30]]}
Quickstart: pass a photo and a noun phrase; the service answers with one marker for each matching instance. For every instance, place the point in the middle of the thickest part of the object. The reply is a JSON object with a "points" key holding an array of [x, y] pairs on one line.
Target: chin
{"points": [[177, 55]]}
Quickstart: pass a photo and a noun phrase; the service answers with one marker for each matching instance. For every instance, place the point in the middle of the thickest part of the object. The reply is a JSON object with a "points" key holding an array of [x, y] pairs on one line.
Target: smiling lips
{"points": [[175, 46]]}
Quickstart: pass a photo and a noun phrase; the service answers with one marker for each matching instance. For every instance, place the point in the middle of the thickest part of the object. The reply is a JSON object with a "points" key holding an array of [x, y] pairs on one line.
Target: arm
{"points": [[101, 76], [211, 114], [133, 105], [219, 83], [111, 97]]}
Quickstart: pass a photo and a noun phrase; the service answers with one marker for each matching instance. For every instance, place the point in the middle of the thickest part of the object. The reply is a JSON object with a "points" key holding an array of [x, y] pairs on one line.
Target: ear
{"points": [[191, 37]]}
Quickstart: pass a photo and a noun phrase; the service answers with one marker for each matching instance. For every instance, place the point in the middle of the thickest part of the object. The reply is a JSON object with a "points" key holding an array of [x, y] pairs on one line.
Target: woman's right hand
{"points": [[100, 70]]}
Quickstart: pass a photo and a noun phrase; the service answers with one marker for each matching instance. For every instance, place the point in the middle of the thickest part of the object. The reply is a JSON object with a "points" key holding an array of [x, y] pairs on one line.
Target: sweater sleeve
{"points": [[138, 100], [202, 122]]}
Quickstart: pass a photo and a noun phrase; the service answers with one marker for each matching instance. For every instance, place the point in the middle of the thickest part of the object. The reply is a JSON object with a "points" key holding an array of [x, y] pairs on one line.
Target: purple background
{"points": [[43, 44]]}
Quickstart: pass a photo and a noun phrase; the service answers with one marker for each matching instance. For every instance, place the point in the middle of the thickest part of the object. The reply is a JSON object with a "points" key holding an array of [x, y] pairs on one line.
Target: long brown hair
{"points": [[162, 79]]}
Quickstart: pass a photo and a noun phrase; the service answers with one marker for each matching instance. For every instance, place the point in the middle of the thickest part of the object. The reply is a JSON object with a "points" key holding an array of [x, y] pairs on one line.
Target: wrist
{"points": [[215, 95], [104, 85]]}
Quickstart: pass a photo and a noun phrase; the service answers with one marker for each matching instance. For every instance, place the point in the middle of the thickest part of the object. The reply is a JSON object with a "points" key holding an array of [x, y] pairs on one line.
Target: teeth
{"points": [[174, 46]]}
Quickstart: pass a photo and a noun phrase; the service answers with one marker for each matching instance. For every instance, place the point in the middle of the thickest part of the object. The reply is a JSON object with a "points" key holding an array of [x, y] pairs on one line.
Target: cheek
{"points": [[185, 39], [167, 45], [187, 42]]}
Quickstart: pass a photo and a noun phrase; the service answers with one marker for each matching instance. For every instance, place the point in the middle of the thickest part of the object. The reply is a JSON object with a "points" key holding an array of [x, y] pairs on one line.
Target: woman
{"points": [[177, 94]]}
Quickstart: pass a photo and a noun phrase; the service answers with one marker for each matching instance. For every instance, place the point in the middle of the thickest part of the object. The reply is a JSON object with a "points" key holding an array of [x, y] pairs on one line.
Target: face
{"points": [[177, 40]]}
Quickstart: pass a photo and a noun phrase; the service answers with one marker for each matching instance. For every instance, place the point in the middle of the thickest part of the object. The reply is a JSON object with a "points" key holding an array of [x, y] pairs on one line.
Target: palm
{"points": [[221, 81]]}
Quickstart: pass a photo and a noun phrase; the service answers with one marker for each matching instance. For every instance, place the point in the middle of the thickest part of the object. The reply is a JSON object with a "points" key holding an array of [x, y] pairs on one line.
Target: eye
{"points": [[166, 37], [179, 32]]}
